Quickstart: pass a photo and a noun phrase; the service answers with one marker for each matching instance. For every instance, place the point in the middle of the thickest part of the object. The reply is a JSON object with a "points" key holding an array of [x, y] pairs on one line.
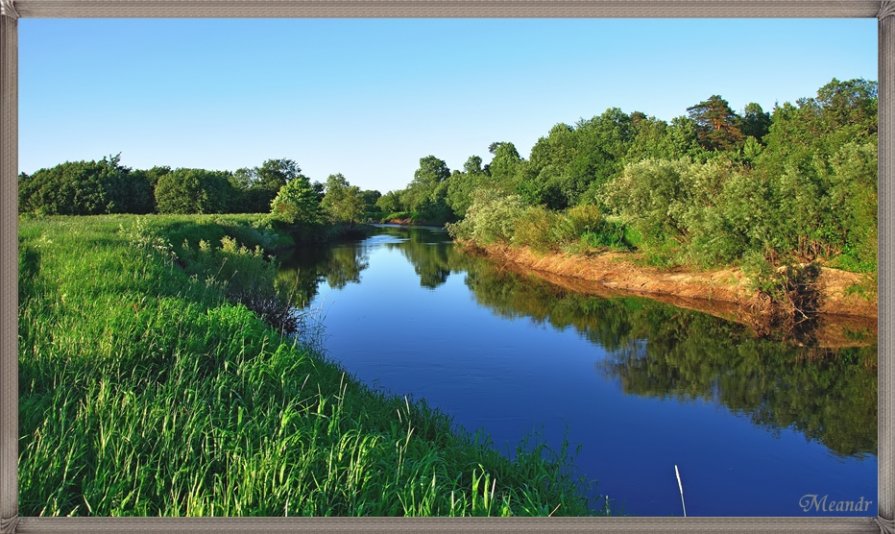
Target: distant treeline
{"points": [[106, 186]]}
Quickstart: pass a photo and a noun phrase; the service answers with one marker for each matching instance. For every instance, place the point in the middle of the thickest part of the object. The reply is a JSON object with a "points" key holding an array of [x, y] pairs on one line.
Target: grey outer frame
{"points": [[884, 10]]}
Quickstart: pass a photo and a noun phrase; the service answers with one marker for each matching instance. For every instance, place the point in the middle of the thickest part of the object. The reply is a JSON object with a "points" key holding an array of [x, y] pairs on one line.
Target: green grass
{"points": [[146, 392]]}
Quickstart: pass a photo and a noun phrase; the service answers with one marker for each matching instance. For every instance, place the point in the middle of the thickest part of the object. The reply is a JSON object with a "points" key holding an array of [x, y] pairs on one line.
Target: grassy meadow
{"points": [[148, 387]]}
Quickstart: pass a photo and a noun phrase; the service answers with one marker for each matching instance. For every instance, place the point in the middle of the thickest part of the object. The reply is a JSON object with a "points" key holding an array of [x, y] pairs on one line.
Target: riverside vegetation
{"points": [[150, 387]]}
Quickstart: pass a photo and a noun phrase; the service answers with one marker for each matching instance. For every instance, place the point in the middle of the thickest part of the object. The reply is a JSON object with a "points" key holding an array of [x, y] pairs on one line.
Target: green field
{"points": [[146, 390]]}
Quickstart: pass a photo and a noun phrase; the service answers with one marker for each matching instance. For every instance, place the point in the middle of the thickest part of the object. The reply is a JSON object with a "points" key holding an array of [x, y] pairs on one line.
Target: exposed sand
{"points": [[723, 293]]}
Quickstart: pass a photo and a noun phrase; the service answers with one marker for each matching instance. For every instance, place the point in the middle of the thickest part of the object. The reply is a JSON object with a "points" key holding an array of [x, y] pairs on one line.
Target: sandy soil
{"points": [[723, 292]]}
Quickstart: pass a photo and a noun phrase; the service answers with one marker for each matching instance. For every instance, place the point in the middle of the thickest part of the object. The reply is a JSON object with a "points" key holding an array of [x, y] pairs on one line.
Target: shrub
{"points": [[536, 229], [491, 217], [610, 234], [397, 215], [649, 195], [585, 218], [594, 230], [853, 204], [760, 273]]}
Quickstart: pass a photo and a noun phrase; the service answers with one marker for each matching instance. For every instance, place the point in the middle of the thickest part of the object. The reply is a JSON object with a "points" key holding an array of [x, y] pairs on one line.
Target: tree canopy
{"points": [[297, 202], [193, 191]]}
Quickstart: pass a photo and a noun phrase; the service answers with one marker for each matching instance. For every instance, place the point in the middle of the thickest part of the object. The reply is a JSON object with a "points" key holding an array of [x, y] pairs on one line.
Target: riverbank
{"points": [[724, 293], [147, 390]]}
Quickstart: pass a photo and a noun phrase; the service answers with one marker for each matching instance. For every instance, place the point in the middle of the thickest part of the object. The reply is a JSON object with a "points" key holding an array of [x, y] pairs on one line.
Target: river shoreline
{"points": [[722, 293]]}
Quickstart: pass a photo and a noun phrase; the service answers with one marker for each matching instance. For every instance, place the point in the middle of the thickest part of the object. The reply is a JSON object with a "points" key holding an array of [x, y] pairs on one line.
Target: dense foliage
{"points": [[193, 191], [712, 187], [297, 202], [86, 188]]}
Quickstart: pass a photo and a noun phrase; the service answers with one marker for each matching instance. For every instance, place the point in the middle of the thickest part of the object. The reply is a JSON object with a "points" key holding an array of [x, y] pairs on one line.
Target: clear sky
{"points": [[368, 98]]}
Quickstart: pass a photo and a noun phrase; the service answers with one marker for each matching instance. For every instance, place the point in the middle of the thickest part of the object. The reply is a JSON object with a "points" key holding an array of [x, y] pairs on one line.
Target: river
{"points": [[634, 386]]}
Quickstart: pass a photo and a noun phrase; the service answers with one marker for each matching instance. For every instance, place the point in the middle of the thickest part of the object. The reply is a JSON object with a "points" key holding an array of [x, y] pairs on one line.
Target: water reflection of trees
{"points": [[300, 275], [432, 256], [653, 349]]}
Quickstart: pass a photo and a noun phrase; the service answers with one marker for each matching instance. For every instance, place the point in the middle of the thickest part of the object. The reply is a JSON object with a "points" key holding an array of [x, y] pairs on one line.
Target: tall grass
{"points": [[146, 391]]}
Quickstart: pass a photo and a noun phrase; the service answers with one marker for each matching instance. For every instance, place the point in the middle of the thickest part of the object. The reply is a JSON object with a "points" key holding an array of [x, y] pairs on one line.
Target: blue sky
{"points": [[368, 98]]}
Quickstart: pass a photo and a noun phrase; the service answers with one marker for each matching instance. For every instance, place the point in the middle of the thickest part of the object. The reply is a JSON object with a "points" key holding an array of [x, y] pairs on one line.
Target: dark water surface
{"points": [[753, 424]]}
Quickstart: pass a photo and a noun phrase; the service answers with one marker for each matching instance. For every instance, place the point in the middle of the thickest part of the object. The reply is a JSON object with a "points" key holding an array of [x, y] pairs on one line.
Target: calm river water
{"points": [[638, 386]]}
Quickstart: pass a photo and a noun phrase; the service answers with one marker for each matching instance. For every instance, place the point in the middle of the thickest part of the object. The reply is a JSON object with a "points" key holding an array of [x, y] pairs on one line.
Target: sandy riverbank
{"points": [[723, 293]]}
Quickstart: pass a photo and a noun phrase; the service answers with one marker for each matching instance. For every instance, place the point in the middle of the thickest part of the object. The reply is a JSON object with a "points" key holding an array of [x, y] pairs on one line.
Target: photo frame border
{"points": [[12, 10]]}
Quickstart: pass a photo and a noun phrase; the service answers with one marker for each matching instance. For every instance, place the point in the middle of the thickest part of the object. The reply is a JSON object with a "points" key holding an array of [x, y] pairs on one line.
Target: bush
{"points": [[595, 231], [649, 195], [397, 215], [492, 217], [254, 200], [536, 229], [760, 273], [610, 234], [585, 218], [853, 200]]}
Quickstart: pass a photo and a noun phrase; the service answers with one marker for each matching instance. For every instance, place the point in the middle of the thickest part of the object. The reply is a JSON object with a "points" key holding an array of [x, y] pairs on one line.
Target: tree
{"points": [[505, 165], [151, 176], [431, 172], [646, 194], [194, 191], [370, 198], [603, 142], [275, 173], [848, 103], [297, 202], [343, 202], [717, 125], [462, 185], [244, 178], [85, 188], [752, 149], [683, 136], [756, 122], [390, 203], [650, 139], [258, 186], [550, 158], [473, 165]]}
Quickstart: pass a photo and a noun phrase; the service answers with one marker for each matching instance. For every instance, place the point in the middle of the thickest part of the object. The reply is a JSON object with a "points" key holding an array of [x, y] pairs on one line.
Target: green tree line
{"points": [[711, 187], [277, 186]]}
